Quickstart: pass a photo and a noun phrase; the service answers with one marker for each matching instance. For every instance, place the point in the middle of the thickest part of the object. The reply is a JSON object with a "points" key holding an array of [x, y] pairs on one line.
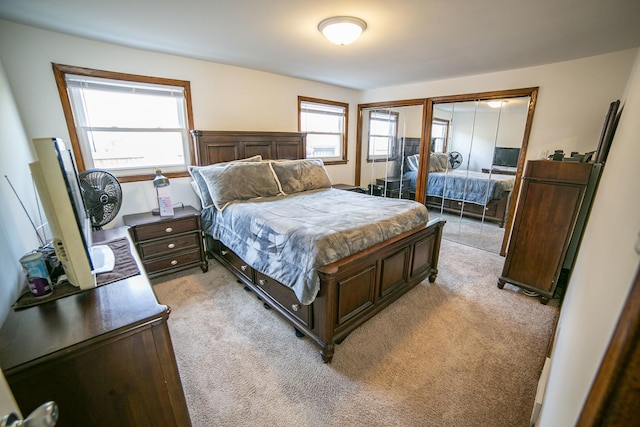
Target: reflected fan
{"points": [[102, 196], [455, 159]]}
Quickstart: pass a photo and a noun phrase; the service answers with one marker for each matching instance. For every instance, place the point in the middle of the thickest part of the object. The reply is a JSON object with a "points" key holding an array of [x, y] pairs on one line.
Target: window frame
{"points": [[60, 71], [392, 155], [343, 154]]}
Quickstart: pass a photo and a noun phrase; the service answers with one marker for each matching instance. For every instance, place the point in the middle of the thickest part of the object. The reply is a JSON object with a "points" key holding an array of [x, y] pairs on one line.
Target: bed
{"points": [[476, 194], [323, 274]]}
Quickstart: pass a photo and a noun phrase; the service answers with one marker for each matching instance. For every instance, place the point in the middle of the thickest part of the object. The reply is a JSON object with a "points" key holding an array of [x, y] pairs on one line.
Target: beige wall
{"points": [[573, 98], [224, 97]]}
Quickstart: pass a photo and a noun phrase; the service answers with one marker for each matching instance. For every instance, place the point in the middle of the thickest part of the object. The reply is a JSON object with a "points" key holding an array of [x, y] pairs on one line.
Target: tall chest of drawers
{"points": [[168, 244]]}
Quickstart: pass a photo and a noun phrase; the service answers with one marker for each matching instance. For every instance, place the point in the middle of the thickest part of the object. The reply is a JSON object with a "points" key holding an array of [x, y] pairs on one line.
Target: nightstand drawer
{"points": [[171, 244], [166, 228], [168, 244], [172, 262]]}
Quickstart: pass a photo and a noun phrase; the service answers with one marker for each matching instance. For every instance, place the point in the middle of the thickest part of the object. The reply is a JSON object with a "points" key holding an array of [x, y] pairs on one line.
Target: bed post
{"points": [[326, 299]]}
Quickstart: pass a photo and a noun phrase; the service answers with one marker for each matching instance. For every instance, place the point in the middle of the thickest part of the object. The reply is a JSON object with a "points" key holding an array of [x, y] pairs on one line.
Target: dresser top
{"points": [[72, 322]]}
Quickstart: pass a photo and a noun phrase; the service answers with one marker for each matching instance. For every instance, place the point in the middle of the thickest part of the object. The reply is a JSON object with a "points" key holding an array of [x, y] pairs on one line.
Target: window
{"points": [[439, 135], [383, 133], [125, 123], [325, 123]]}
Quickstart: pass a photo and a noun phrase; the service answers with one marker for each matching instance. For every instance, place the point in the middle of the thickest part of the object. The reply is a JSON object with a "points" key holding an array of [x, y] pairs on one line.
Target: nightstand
{"points": [[168, 244]]}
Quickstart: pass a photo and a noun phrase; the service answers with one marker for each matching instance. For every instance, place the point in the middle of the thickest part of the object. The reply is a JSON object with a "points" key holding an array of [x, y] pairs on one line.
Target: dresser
{"points": [[168, 244], [104, 355], [548, 208]]}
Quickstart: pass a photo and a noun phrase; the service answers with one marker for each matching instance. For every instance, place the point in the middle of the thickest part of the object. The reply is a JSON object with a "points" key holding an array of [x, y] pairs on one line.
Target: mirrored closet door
{"points": [[477, 149], [388, 146]]}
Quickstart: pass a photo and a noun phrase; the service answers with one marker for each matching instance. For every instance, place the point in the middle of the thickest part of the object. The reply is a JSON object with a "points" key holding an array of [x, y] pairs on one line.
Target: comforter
{"points": [[468, 186], [288, 237]]}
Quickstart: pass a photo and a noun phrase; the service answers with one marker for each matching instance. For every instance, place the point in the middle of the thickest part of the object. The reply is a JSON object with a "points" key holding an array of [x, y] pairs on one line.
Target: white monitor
{"points": [[56, 178]]}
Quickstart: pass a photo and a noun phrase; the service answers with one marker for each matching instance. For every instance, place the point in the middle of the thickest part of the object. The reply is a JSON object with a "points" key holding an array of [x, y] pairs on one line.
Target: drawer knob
{"points": [[295, 307], [168, 229], [223, 252], [174, 262], [171, 245], [262, 282], [243, 267]]}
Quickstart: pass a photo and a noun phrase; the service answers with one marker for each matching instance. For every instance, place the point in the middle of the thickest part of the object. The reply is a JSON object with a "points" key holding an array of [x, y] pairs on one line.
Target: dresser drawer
{"points": [[169, 245], [172, 262], [166, 228]]}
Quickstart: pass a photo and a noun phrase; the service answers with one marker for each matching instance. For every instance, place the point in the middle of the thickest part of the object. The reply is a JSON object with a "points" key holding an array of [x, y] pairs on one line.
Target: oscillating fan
{"points": [[455, 159], [102, 195]]}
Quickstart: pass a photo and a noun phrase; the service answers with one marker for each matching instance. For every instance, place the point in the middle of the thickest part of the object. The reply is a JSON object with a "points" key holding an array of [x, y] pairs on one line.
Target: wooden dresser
{"points": [[168, 244], [550, 201], [104, 355]]}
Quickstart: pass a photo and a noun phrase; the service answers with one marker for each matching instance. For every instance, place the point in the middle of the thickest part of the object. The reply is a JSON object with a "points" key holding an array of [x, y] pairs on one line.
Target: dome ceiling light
{"points": [[342, 30]]}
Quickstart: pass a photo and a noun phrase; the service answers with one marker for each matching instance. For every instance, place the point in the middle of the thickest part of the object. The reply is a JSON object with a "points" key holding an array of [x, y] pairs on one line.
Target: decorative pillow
{"points": [[438, 162], [413, 162], [444, 160], [434, 163], [295, 176], [240, 181], [203, 191]]}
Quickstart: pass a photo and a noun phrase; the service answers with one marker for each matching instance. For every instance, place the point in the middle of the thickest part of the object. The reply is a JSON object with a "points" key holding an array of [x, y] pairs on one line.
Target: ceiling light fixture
{"points": [[496, 104], [342, 30]]}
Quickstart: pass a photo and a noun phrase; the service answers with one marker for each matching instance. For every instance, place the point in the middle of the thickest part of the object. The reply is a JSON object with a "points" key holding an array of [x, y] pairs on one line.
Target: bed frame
{"points": [[495, 210], [353, 289]]}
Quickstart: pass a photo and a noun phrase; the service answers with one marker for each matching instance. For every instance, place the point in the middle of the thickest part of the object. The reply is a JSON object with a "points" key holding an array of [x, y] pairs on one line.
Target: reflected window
{"points": [[439, 135], [325, 124], [383, 134]]}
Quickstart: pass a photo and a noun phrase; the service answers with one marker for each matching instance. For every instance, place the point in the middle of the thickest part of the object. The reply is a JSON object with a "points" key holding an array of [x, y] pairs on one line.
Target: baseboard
{"points": [[542, 385]]}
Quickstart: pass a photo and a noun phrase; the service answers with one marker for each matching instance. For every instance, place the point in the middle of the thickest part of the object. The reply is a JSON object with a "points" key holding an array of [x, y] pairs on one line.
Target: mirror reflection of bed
{"points": [[483, 140], [476, 144]]}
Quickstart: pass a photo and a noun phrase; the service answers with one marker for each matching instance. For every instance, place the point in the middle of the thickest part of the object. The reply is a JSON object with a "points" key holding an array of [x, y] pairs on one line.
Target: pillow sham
{"points": [[203, 190], [413, 161], [240, 181], [295, 176], [438, 162]]}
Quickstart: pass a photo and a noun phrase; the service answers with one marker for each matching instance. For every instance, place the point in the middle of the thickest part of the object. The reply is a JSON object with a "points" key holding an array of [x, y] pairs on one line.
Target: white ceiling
{"points": [[406, 41]]}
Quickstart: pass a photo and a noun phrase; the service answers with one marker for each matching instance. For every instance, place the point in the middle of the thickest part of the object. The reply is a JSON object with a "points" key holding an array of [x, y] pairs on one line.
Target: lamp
{"points": [[161, 184], [342, 30]]}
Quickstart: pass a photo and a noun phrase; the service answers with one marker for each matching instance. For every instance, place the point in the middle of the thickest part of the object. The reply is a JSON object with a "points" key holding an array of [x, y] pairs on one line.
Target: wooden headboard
{"points": [[223, 146]]}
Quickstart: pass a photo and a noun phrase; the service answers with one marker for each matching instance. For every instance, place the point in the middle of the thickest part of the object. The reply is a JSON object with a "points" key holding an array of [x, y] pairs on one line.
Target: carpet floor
{"points": [[457, 352]]}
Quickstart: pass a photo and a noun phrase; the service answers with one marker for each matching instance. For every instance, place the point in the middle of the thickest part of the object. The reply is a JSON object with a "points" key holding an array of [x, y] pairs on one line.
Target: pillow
{"points": [[438, 162], [203, 191], [444, 160], [295, 176], [413, 162], [240, 181], [434, 163]]}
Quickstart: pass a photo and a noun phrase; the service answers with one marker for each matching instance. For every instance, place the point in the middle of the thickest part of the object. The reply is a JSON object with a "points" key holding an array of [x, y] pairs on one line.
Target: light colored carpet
{"points": [[482, 234], [457, 352]]}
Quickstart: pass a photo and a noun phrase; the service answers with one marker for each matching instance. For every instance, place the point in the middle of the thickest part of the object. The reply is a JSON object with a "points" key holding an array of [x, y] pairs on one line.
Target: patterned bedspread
{"points": [[288, 237]]}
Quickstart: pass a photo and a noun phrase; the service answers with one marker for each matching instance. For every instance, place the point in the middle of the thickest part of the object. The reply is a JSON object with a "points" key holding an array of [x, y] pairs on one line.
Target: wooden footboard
{"points": [[352, 290]]}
